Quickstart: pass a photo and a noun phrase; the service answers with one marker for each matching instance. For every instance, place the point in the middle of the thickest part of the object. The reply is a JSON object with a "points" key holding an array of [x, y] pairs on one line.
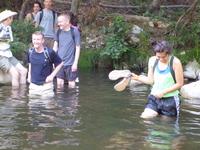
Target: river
{"points": [[92, 117]]}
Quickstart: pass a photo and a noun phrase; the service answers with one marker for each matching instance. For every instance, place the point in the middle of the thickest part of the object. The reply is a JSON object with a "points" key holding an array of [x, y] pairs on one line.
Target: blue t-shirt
{"points": [[67, 45], [47, 23], [41, 67]]}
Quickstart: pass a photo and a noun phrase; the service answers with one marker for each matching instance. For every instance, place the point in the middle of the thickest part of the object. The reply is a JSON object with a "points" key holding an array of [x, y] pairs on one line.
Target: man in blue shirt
{"points": [[47, 20], [41, 60], [67, 45]]}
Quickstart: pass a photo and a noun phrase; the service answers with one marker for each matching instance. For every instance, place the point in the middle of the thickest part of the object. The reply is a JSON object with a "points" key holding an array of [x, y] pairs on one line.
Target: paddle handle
{"points": [[121, 86]]}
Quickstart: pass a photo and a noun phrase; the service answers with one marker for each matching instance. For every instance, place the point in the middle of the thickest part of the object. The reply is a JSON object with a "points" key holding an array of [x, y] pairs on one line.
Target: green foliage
{"points": [[89, 58], [115, 39], [139, 55], [186, 42], [22, 32], [18, 49]]}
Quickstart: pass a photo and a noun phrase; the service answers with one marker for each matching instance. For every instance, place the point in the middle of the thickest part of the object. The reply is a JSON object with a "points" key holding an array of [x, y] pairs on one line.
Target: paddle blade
{"points": [[120, 86], [116, 74]]}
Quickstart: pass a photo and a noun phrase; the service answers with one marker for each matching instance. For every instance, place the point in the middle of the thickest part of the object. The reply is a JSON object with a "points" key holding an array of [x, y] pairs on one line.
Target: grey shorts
{"points": [[67, 74], [168, 106], [7, 62]]}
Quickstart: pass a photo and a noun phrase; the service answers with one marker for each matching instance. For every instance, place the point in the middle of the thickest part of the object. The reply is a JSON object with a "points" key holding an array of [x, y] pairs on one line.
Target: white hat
{"points": [[6, 14]]}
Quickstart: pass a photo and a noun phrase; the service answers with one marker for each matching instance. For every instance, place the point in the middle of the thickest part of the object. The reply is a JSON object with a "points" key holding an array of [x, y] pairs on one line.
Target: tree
{"points": [[23, 8], [155, 5], [74, 6]]}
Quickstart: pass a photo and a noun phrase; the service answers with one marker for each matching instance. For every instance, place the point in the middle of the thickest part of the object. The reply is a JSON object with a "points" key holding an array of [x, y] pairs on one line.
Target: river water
{"points": [[92, 117]]}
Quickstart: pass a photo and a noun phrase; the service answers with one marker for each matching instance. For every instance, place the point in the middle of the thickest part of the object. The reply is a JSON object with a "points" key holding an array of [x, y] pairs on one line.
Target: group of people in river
{"points": [[56, 50]]}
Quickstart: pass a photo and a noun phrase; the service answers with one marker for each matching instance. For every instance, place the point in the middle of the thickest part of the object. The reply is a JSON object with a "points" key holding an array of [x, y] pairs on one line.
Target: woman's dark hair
{"points": [[161, 46], [73, 19], [37, 2]]}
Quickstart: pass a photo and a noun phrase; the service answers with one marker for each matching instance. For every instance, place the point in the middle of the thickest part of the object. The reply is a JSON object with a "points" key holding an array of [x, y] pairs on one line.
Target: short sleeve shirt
{"points": [[67, 45], [47, 22], [41, 67]]}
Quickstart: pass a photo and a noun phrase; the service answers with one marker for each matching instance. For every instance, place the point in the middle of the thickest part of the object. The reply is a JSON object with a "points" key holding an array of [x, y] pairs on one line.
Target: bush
{"points": [[116, 45], [22, 32], [89, 59]]}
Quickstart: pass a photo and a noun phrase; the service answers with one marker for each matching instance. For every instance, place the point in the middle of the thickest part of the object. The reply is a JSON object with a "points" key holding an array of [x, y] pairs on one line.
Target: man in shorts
{"points": [[8, 63], [67, 45]]}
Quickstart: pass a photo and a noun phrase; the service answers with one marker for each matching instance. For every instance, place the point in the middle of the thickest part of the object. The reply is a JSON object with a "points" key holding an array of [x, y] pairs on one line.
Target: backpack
{"points": [[72, 33], [46, 54], [42, 13], [170, 66]]}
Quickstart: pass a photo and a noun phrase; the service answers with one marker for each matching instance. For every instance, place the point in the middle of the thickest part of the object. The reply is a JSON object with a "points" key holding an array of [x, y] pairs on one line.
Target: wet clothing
{"points": [[67, 43], [41, 67], [168, 106], [6, 63], [44, 89], [66, 73]]}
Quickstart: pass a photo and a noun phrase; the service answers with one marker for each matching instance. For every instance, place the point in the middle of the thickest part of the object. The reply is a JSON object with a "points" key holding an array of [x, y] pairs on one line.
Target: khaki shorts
{"points": [[7, 62], [44, 90]]}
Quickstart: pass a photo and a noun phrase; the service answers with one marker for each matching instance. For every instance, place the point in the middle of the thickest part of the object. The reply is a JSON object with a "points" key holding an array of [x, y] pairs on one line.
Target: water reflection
{"points": [[11, 99], [39, 121], [96, 117], [54, 113], [163, 133]]}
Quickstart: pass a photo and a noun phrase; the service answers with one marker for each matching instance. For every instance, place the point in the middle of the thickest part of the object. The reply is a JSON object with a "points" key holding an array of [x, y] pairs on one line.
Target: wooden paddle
{"points": [[120, 86]]}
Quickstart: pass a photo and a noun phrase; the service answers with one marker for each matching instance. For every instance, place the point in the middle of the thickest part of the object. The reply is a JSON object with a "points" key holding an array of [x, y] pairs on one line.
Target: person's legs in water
{"points": [[22, 71], [151, 108]]}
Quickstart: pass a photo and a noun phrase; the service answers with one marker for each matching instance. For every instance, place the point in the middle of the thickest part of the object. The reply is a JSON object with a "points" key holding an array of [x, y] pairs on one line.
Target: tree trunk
{"points": [[23, 9], [187, 16], [74, 6], [155, 5]]}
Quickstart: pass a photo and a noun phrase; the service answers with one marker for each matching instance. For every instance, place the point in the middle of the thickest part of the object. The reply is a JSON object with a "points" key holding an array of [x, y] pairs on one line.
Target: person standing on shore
{"points": [[47, 20]]}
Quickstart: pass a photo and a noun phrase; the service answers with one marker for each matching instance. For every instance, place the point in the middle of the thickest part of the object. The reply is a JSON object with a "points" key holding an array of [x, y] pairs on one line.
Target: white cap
{"points": [[6, 14]]}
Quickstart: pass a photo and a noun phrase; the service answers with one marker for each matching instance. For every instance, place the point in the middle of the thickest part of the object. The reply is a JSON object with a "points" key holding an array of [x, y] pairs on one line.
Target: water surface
{"points": [[92, 117]]}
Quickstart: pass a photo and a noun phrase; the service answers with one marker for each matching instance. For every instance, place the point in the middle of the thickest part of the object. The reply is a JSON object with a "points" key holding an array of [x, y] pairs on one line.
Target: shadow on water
{"points": [[92, 117]]}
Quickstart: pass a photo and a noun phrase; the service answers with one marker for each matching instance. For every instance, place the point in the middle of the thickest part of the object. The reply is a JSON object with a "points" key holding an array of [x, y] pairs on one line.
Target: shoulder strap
{"points": [[155, 64], [54, 17], [57, 35], [41, 16], [30, 51], [32, 17], [47, 55], [73, 34], [171, 68]]}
